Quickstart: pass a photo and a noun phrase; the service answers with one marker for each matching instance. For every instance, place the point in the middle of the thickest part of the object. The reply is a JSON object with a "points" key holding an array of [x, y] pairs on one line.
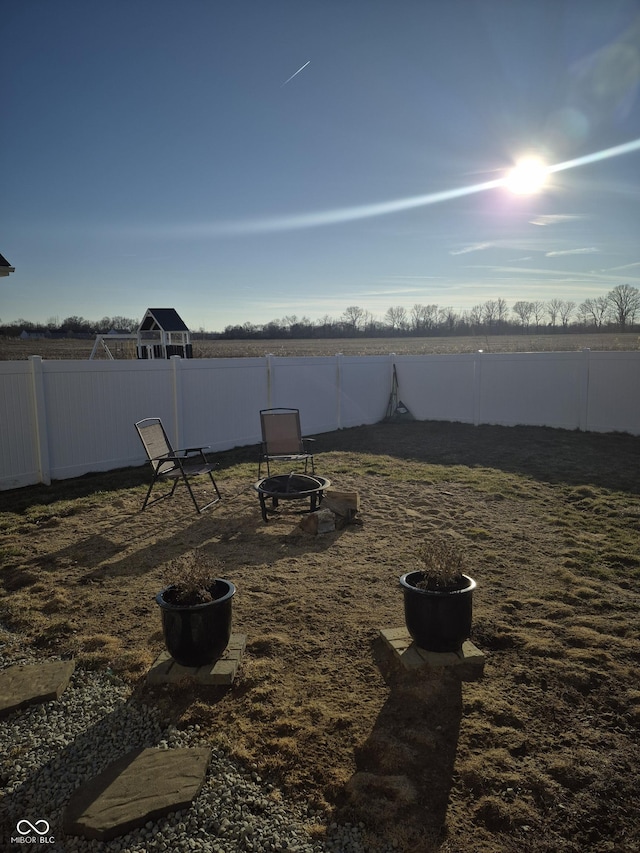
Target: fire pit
{"points": [[290, 487]]}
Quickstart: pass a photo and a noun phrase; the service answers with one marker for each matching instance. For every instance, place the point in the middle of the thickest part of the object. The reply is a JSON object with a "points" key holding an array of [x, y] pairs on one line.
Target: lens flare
{"points": [[528, 176], [272, 224]]}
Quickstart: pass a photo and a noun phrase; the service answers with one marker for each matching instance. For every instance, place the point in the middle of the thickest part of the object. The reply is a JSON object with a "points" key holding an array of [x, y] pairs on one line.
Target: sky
{"points": [[250, 161]]}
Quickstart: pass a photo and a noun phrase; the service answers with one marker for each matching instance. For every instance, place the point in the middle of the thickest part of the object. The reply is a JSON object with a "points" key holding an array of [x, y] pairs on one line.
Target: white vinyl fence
{"points": [[61, 419]]}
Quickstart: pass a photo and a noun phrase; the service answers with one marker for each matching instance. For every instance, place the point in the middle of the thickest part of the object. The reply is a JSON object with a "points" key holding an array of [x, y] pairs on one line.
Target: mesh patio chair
{"points": [[170, 464], [282, 439]]}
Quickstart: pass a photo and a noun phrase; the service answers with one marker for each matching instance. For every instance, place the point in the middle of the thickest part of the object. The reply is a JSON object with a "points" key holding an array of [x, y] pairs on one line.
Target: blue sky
{"points": [[153, 154]]}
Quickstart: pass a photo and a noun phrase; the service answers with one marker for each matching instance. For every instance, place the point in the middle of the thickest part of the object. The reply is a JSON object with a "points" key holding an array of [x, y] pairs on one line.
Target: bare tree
{"points": [[417, 318], [396, 317], [432, 315], [448, 318], [538, 309], [353, 316], [594, 311], [554, 307], [424, 317], [368, 322], [502, 310], [624, 302], [603, 308], [490, 312], [475, 317], [523, 310], [566, 309], [289, 320]]}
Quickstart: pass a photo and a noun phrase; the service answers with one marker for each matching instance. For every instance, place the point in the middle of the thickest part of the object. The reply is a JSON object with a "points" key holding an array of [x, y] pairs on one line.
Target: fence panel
{"points": [[438, 387], [614, 392], [65, 418], [91, 411], [19, 462], [365, 386], [221, 401], [308, 384], [542, 391]]}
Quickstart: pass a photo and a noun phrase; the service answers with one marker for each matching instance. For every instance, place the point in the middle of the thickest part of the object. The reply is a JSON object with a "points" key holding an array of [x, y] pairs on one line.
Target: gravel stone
{"points": [[48, 750]]}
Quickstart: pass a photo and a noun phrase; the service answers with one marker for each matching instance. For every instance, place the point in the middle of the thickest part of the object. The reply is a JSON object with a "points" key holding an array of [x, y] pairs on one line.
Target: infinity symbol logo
{"points": [[24, 827]]}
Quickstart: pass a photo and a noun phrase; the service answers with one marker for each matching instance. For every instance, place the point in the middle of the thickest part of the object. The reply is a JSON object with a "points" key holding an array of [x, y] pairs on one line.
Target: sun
{"points": [[528, 176]]}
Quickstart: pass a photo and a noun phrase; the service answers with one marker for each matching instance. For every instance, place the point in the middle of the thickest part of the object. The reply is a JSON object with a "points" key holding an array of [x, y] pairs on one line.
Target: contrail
{"points": [[297, 72]]}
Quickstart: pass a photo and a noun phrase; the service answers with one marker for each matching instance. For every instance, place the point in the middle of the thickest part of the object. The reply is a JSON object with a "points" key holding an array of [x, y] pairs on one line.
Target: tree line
{"points": [[619, 309], [70, 326]]}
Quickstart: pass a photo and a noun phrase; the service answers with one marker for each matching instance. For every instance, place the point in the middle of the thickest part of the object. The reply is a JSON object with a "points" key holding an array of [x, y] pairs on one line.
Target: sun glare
{"points": [[528, 176]]}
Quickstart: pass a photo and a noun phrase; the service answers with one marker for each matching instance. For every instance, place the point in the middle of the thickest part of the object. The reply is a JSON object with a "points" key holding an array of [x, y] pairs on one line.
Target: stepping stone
{"points": [[32, 684], [166, 671], [143, 785], [469, 659]]}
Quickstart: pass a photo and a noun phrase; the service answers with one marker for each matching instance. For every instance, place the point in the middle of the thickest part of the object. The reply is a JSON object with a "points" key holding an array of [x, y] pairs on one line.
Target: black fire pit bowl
{"points": [[290, 487]]}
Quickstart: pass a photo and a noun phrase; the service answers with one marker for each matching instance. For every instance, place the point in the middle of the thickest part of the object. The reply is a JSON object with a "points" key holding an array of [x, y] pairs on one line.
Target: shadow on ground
{"points": [[404, 769], [608, 460]]}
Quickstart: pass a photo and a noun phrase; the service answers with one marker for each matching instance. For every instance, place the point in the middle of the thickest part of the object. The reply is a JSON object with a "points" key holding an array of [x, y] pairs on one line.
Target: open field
{"points": [[540, 756], [15, 349]]}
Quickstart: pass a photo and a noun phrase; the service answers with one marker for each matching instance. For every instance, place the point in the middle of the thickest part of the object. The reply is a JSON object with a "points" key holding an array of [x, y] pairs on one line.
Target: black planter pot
{"points": [[438, 620], [197, 634]]}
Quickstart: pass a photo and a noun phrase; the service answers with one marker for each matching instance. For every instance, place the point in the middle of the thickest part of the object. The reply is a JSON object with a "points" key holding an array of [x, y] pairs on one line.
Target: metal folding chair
{"points": [[282, 439], [170, 464]]}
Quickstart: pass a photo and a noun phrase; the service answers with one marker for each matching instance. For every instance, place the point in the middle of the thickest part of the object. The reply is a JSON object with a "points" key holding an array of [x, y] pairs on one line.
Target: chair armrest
{"points": [[163, 456]]}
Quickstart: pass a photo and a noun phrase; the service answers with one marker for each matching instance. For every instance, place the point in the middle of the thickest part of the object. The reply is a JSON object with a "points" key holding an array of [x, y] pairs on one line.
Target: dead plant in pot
{"points": [[191, 578], [195, 609], [442, 564], [438, 597]]}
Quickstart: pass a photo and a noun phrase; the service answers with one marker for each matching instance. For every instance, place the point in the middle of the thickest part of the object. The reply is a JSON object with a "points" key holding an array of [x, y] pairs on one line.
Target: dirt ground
{"points": [[541, 755]]}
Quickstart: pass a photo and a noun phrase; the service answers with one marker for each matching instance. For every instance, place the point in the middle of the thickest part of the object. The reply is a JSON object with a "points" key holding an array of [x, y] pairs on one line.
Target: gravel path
{"points": [[47, 751]]}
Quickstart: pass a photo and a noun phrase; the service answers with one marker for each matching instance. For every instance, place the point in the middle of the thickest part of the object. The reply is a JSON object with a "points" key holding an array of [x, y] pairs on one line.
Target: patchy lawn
{"points": [[539, 755]]}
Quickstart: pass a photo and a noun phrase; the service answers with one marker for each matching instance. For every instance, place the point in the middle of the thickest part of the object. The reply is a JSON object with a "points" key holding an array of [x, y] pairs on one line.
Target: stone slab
{"points": [[318, 522], [469, 659], [143, 785], [166, 671], [32, 684]]}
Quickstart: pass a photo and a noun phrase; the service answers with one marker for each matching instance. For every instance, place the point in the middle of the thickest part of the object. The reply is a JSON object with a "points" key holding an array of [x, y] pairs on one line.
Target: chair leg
{"points": [[215, 486], [162, 497], [266, 460], [201, 509], [146, 500]]}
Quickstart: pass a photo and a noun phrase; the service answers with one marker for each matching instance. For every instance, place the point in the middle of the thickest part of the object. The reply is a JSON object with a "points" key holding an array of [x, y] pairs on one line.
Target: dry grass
{"points": [[539, 756], [15, 349]]}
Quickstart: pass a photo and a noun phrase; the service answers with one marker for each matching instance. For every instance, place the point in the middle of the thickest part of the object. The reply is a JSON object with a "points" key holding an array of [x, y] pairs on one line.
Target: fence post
{"points": [[40, 419], [339, 368], [477, 386], [269, 366], [176, 382], [583, 391]]}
